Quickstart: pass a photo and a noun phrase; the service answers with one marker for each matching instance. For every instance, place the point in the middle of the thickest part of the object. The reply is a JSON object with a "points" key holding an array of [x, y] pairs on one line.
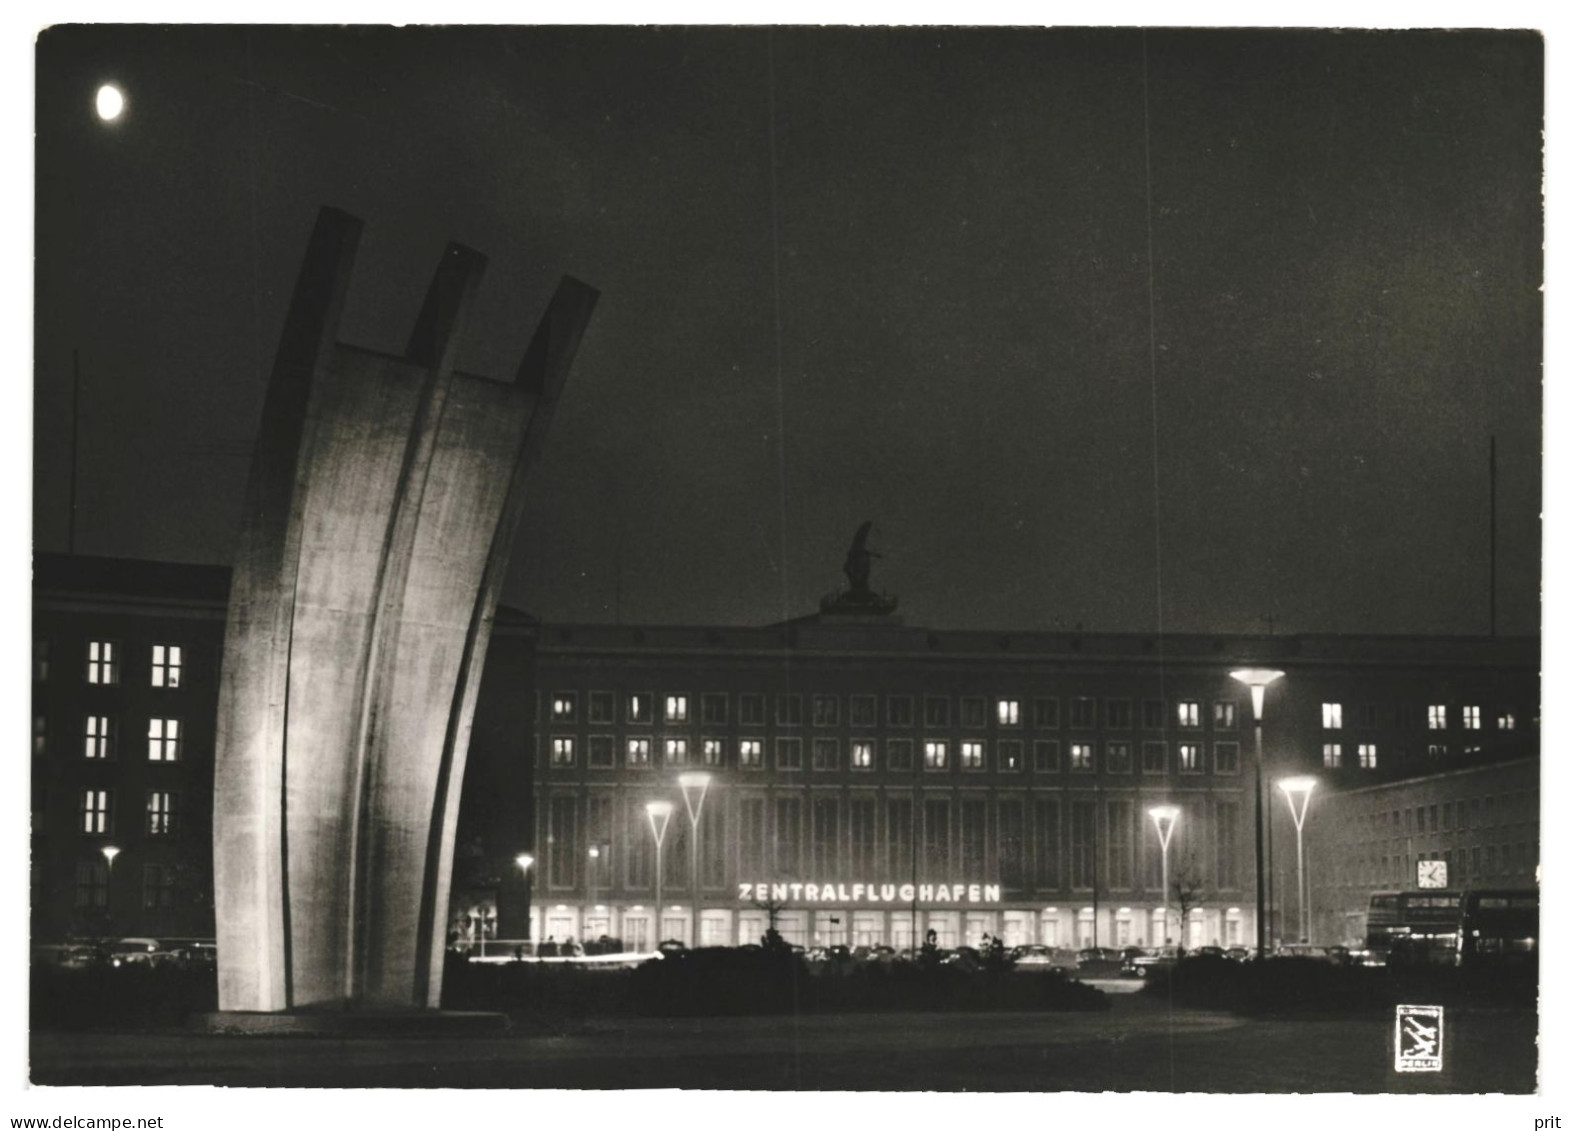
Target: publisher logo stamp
{"points": [[1420, 1038]]}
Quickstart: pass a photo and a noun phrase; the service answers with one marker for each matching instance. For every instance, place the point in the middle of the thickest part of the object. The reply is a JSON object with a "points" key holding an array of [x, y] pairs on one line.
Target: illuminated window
{"points": [[1332, 753], [863, 710], [1120, 714], [1011, 756], [972, 711], [1046, 713], [1189, 758], [99, 737], [937, 755], [1188, 714], [160, 813], [102, 664], [1472, 718], [602, 707], [1506, 720], [1120, 758], [1437, 750], [1367, 755], [972, 756], [1046, 757], [564, 707], [1008, 712], [1082, 713], [163, 740], [1436, 716], [825, 754], [1330, 715], [901, 711], [787, 710], [166, 665], [715, 708], [936, 708], [640, 708], [675, 751], [1081, 756], [787, 753], [561, 752], [751, 754], [861, 755], [675, 708], [1224, 715], [901, 754], [602, 752], [825, 710], [713, 752], [638, 752], [1153, 757], [1226, 757], [95, 811], [40, 734]]}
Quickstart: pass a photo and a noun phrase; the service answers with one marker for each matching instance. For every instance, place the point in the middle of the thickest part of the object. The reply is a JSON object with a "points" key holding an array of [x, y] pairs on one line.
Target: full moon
{"points": [[110, 102]]}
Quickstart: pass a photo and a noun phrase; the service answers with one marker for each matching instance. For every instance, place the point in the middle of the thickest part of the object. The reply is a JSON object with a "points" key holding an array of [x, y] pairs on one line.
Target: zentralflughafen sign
{"points": [[871, 893]]}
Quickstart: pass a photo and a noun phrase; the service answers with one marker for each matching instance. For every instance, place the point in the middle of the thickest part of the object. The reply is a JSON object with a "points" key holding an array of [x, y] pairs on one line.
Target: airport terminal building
{"points": [[869, 780]]}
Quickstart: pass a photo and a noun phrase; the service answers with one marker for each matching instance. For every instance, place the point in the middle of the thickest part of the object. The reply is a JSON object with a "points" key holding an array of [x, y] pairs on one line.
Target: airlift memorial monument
{"points": [[383, 498]]}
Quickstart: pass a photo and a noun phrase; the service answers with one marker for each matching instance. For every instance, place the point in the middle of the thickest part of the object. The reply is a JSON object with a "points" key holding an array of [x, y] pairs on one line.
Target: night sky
{"points": [[1177, 330]]}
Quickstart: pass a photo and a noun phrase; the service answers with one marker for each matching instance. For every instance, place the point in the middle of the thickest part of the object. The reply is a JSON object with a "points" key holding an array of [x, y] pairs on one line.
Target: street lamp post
{"points": [[659, 817], [1257, 680], [1165, 817], [525, 862], [594, 861], [1295, 788], [695, 783], [110, 852]]}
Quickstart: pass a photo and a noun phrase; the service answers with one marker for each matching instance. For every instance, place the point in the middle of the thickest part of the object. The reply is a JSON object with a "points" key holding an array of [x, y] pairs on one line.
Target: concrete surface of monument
{"points": [[379, 517]]}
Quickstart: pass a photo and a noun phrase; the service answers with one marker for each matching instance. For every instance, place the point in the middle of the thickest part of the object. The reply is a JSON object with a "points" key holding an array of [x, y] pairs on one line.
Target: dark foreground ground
{"points": [[1140, 1045]]}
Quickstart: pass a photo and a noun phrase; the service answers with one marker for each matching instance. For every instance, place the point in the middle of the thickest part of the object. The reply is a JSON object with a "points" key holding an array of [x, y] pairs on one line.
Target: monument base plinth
{"points": [[352, 1023]]}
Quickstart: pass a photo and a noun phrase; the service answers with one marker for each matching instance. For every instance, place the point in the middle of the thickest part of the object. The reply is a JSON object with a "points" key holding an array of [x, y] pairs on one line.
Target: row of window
{"points": [[92, 885], [103, 663], [1332, 717], [1448, 816], [1480, 863], [101, 738], [900, 710], [899, 753], [97, 812], [1046, 843]]}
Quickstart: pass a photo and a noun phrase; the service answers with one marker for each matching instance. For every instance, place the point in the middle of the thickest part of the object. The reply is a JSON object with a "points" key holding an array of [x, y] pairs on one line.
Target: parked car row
{"points": [[127, 953]]}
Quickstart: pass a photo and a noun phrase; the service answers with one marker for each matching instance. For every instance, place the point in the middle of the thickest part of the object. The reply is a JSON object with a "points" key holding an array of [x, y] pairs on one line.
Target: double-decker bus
{"points": [[1414, 927], [1451, 928]]}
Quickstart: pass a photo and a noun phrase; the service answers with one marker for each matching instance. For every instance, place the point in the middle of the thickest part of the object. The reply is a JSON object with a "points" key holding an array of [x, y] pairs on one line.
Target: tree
{"points": [[772, 939], [1188, 887]]}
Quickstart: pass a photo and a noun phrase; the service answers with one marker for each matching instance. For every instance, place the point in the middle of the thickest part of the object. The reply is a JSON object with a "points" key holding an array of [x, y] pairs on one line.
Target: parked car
{"points": [[966, 958], [195, 956], [1153, 958], [1099, 954], [137, 952], [1240, 953], [1303, 950], [1207, 952], [1041, 957]]}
